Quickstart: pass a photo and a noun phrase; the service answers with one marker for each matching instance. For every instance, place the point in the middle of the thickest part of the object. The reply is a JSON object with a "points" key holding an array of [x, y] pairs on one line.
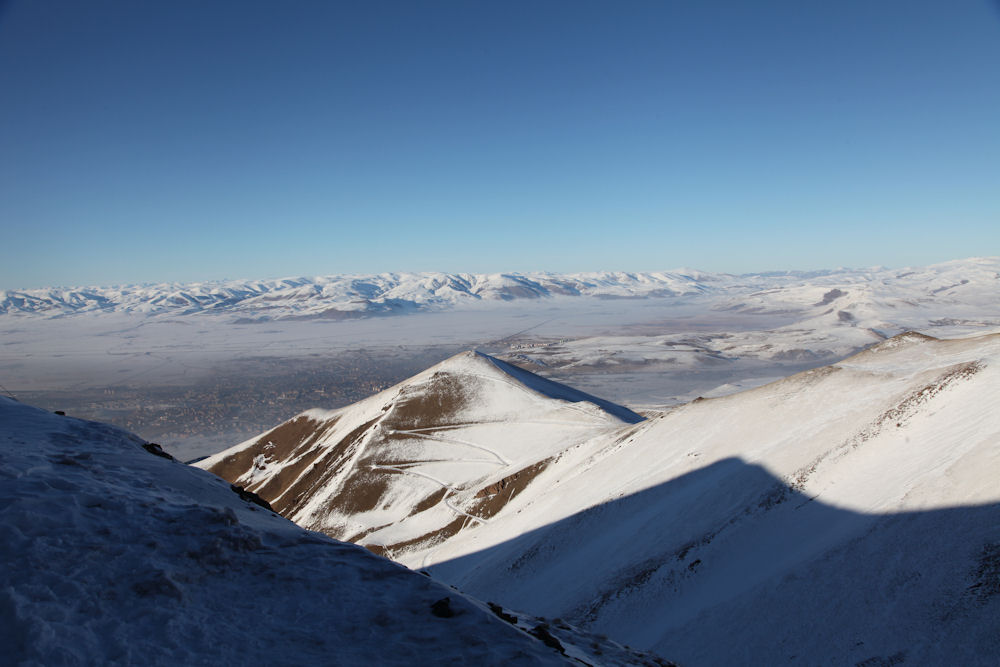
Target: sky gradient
{"points": [[152, 141]]}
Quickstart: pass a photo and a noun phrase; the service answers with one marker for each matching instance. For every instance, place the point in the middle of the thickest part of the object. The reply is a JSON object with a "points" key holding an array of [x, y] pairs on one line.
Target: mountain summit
{"points": [[846, 514], [417, 463]]}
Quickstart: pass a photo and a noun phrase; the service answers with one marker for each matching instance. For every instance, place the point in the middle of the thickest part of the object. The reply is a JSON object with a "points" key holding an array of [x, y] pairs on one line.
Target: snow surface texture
{"points": [[111, 555], [846, 515]]}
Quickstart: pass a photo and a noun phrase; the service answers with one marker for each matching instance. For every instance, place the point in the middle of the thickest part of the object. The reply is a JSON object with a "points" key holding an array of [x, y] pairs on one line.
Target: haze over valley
{"points": [[202, 366], [846, 512], [499, 333], [678, 469]]}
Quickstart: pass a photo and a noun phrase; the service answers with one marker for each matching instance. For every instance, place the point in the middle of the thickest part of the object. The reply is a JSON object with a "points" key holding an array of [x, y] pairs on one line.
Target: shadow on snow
{"points": [[728, 564]]}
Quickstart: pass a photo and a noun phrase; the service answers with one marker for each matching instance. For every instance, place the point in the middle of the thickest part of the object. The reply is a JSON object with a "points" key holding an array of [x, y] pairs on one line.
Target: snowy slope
{"points": [[405, 467], [832, 314], [111, 555], [846, 514]]}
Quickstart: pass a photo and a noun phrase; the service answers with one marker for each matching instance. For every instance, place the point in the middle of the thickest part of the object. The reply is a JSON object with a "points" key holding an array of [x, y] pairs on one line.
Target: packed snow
{"points": [[114, 554], [846, 514]]}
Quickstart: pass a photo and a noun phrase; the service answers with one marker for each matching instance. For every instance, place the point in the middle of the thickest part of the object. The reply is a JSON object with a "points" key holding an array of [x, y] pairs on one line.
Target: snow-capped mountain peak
{"points": [[856, 500], [351, 296], [393, 469]]}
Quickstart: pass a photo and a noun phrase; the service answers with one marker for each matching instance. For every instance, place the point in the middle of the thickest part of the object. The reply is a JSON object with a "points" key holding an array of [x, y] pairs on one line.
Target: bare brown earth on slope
{"points": [[279, 444], [312, 474], [492, 498], [296, 492], [436, 405], [487, 502], [309, 468], [430, 539]]}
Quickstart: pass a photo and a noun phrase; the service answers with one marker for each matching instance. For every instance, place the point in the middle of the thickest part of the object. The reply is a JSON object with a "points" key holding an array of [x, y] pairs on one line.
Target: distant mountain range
{"points": [[845, 515], [849, 514], [350, 296]]}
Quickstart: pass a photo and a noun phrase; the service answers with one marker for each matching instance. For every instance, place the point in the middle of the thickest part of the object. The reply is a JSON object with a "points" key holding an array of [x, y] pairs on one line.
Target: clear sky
{"points": [[190, 140]]}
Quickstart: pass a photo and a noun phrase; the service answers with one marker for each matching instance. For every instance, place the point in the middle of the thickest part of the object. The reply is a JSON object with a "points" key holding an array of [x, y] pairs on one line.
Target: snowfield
{"points": [[806, 472], [849, 514], [110, 554]]}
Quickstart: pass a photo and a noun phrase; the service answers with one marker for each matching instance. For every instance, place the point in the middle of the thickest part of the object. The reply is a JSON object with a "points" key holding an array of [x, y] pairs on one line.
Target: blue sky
{"points": [[183, 140]]}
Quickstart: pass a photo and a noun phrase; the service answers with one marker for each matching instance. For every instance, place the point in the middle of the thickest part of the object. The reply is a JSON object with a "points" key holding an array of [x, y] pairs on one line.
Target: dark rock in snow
{"points": [[542, 632], [442, 608], [498, 610], [250, 496], [156, 450]]}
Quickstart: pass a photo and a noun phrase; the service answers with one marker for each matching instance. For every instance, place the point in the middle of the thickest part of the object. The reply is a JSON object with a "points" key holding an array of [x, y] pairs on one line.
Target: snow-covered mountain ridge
{"points": [[348, 296], [111, 555], [845, 515], [418, 460]]}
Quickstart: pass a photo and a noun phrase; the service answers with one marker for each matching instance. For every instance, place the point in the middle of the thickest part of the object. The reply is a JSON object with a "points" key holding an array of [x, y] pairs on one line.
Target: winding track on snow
{"points": [[445, 485], [449, 490], [502, 461], [431, 433]]}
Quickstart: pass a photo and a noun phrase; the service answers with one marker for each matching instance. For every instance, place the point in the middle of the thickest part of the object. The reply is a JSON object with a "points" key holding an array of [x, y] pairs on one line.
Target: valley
{"points": [[759, 469], [656, 334], [185, 366]]}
